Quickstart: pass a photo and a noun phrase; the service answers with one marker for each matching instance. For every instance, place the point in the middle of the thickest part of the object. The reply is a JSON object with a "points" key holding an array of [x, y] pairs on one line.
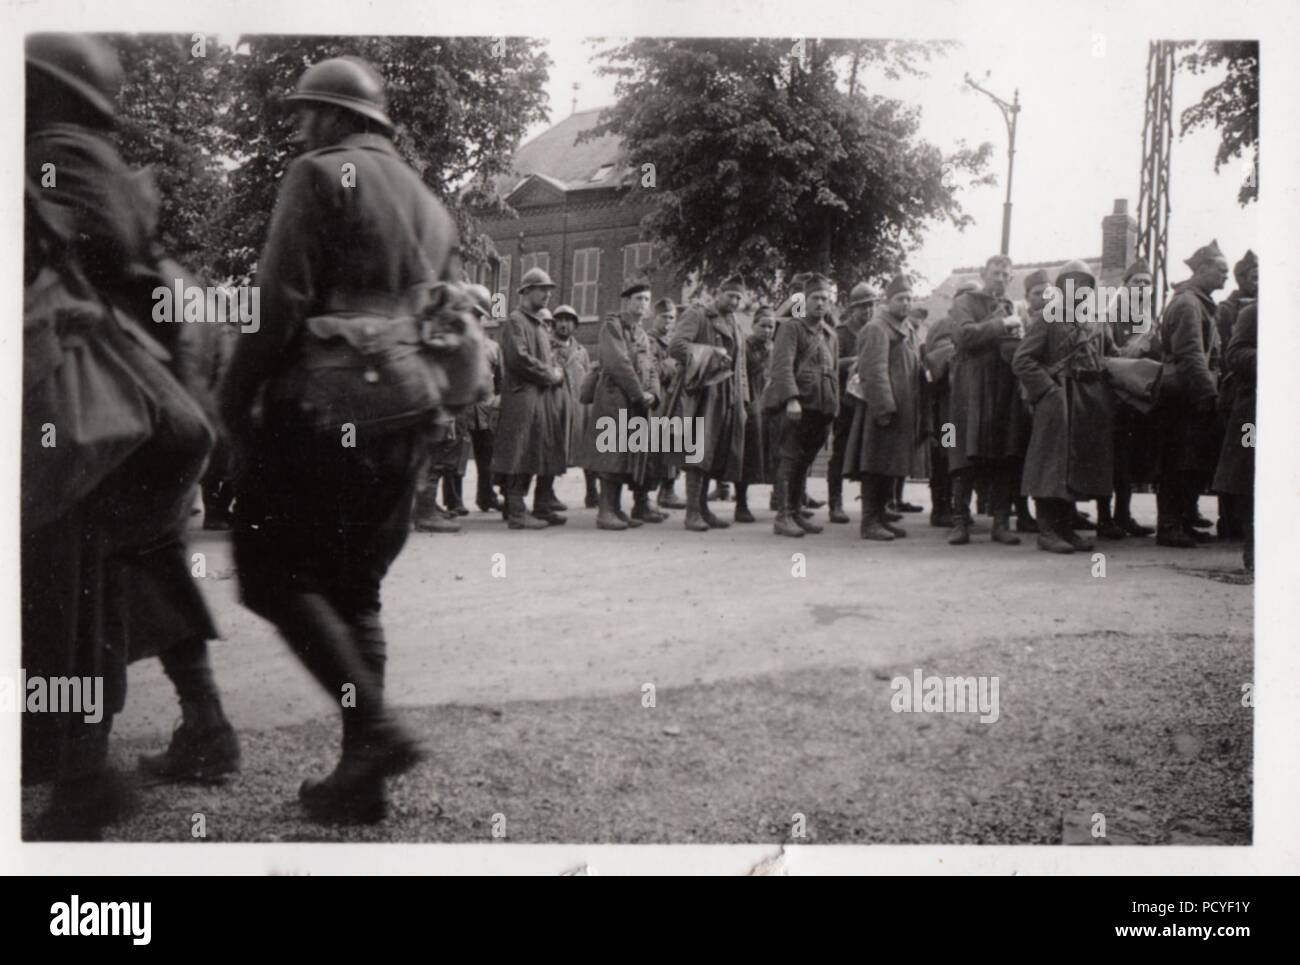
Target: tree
{"points": [[461, 105], [170, 121], [770, 158], [1232, 105]]}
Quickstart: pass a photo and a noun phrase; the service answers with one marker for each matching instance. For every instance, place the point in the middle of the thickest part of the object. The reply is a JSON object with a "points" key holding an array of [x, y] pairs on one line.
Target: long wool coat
{"points": [[758, 359], [1062, 368], [628, 372], [532, 432], [1189, 341], [982, 388], [721, 405], [573, 358], [1236, 472], [889, 366]]}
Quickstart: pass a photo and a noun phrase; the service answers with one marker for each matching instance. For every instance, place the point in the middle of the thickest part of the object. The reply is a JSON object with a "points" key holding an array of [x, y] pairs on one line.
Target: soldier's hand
{"points": [[884, 419], [649, 401], [793, 410], [557, 376], [1011, 323]]}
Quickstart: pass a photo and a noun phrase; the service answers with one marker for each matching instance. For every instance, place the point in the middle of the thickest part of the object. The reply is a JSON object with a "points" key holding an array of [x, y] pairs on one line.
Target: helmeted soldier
{"points": [[660, 330], [481, 421], [328, 475], [572, 356], [532, 434]]}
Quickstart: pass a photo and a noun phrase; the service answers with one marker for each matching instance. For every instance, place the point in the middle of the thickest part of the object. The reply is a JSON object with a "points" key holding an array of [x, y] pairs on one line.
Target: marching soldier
{"points": [[1062, 368], [883, 441], [325, 495], [1189, 443], [532, 435], [804, 387], [862, 301]]}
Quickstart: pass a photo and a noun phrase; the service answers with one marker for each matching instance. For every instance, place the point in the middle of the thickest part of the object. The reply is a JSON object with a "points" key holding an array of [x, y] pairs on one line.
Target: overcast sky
{"points": [[1078, 144]]}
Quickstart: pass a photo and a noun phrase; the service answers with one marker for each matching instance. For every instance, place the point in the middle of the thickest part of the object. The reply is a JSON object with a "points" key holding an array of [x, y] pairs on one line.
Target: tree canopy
{"points": [[1232, 105], [769, 157]]}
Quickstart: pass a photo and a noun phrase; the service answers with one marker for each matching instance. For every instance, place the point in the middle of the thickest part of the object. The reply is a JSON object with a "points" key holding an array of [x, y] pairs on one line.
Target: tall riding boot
{"points": [[784, 524], [641, 508], [695, 482], [873, 510], [743, 515], [706, 514], [835, 496], [798, 498], [961, 487], [606, 515]]}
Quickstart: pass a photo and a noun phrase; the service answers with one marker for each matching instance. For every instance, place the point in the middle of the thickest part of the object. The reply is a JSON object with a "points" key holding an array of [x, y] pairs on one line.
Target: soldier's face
{"points": [[1036, 297], [639, 305], [1212, 275], [563, 326], [1140, 281], [665, 321], [537, 297], [729, 301], [819, 303], [765, 328], [900, 303], [996, 278], [1250, 282]]}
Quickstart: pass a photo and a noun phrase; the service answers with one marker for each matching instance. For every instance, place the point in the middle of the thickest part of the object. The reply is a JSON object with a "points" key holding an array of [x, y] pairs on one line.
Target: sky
{"points": [[1078, 145]]}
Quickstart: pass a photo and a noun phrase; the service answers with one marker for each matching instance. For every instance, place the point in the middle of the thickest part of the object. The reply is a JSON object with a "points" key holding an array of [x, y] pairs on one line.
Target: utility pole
{"points": [[1009, 114]]}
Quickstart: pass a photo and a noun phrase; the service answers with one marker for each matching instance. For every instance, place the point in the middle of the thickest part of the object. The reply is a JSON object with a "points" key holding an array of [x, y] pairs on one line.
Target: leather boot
{"points": [[784, 524], [617, 506], [668, 499], [835, 496], [1049, 540], [429, 516], [592, 500], [706, 514], [798, 497], [743, 515], [606, 516], [1025, 522], [642, 510], [517, 509], [544, 502], [694, 491], [872, 526], [1002, 531], [1066, 518], [1107, 528], [203, 748]]}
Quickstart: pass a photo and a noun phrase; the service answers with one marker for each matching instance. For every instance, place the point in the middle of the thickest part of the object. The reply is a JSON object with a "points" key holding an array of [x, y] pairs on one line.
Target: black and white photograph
{"points": [[814, 428]]}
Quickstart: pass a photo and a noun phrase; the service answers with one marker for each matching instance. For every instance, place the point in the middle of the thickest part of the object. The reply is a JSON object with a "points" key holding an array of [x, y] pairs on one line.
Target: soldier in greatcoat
{"points": [[888, 428], [533, 432], [1235, 474], [1189, 388], [660, 330], [862, 301], [758, 360], [1061, 364], [1232, 524]]}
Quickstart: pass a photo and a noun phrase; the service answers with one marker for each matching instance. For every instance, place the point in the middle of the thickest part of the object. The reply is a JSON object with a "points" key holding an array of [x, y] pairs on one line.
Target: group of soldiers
{"points": [[348, 279], [994, 399]]}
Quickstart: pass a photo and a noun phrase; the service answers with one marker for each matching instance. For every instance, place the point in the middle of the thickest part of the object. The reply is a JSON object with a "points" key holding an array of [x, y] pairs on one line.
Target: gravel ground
{"points": [[1147, 730]]}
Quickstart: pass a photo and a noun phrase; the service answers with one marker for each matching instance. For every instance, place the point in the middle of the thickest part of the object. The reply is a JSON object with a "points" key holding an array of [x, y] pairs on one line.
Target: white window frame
{"points": [[643, 256], [586, 281], [534, 259]]}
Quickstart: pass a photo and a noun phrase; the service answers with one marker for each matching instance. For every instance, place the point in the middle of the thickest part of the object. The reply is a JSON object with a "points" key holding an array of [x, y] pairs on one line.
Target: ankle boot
{"points": [[694, 491], [642, 510], [873, 524], [835, 497], [707, 514], [1049, 538], [606, 514], [1025, 522], [784, 524], [617, 506], [517, 510], [1107, 528], [1002, 531], [797, 496], [668, 499], [743, 515]]}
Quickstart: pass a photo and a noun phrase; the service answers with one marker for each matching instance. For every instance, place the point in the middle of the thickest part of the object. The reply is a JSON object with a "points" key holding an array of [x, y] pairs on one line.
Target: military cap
{"points": [[733, 283], [82, 64], [1203, 254], [1243, 267], [900, 283], [1039, 276], [817, 283], [635, 288]]}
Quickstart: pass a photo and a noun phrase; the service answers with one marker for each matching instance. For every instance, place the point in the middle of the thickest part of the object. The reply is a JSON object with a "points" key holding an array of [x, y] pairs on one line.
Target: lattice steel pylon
{"points": [[1157, 138]]}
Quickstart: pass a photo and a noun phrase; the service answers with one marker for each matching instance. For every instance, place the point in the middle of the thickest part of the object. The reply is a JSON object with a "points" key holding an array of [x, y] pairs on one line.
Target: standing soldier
{"points": [[707, 342], [983, 400], [481, 422], [1061, 365], [1236, 472], [1246, 273], [325, 494], [804, 387], [1231, 523], [758, 358], [628, 384], [862, 301], [446, 455], [532, 435], [660, 331], [572, 357], [1189, 388], [885, 437]]}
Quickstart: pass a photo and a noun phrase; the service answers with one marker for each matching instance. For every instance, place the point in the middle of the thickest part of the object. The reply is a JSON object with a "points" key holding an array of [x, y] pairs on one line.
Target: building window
{"points": [[501, 283], [635, 258], [586, 281], [538, 259]]}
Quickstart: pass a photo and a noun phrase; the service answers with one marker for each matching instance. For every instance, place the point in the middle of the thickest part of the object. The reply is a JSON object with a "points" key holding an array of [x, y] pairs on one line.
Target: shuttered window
{"points": [[586, 281]]}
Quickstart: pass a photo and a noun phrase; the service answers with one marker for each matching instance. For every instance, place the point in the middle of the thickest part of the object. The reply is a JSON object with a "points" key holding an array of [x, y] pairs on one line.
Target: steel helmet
{"points": [[347, 82], [82, 64], [535, 278]]}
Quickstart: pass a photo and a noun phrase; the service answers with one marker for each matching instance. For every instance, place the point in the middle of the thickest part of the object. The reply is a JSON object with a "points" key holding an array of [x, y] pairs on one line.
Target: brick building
{"points": [[579, 218]]}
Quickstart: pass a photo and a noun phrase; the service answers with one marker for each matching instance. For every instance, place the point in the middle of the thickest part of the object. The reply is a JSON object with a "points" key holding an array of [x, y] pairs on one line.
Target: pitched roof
{"points": [[557, 155]]}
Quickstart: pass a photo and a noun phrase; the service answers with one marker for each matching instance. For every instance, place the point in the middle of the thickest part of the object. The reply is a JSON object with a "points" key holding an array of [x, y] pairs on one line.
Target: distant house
{"points": [[1118, 247], [579, 218]]}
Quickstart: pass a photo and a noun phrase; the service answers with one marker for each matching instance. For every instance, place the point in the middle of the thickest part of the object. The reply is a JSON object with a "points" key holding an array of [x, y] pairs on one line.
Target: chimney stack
{"points": [[1119, 232]]}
